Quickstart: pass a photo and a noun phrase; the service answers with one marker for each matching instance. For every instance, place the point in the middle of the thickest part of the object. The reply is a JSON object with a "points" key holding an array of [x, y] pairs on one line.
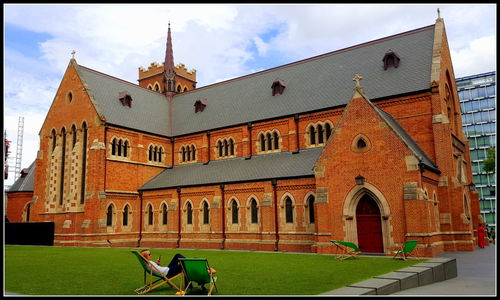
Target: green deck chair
{"points": [[196, 270], [150, 282], [406, 250], [347, 249]]}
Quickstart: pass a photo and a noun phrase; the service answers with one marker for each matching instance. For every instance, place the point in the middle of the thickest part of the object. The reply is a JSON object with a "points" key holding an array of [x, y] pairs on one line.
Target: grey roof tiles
{"points": [[232, 170], [26, 183]]}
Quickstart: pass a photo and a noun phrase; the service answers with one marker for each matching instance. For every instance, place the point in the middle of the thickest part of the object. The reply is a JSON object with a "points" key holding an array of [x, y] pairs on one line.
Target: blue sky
{"points": [[220, 41]]}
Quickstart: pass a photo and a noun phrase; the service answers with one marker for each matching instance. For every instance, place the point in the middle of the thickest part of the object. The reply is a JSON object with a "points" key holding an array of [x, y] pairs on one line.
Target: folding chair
{"points": [[196, 270], [347, 249], [406, 250], [149, 284]]}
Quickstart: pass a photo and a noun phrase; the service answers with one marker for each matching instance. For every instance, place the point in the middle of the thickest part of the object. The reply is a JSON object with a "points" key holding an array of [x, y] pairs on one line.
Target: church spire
{"points": [[168, 65], [169, 54]]}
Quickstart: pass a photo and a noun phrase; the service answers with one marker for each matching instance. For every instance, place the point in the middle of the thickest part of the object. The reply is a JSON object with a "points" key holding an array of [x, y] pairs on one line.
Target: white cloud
{"points": [[262, 46], [479, 56]]}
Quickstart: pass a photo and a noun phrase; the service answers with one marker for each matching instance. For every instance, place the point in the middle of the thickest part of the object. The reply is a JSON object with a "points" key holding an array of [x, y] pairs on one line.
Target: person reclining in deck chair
{"points": [[173, 267]]}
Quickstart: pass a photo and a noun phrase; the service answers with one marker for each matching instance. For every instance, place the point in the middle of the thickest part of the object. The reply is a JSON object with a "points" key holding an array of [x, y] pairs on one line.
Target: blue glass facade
{"points": [[477, 95]]}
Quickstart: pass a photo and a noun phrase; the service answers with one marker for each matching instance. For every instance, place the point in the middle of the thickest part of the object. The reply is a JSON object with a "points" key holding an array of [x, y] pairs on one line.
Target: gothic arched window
{"points": [[276, 139], [234, 212], [288, 210], [206, 213], [109, 216], [189, 213], [150, 214], [125, 216], [254, 210], [312, 135], [310, 204], [164, 214]]}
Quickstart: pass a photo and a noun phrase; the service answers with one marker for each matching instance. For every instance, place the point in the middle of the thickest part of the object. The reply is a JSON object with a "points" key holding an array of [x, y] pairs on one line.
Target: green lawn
{"points": [[40, 270]]}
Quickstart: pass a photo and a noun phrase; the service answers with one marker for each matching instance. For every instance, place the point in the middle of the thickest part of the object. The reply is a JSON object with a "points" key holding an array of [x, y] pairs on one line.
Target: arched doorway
{"points": [[369, 225]]}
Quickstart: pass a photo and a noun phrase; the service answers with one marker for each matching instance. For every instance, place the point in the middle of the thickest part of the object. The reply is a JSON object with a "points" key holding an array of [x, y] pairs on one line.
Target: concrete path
{"points": [[476, 270]]}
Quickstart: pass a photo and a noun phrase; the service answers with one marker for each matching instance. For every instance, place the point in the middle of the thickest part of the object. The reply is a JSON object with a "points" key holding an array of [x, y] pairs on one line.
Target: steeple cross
{"points": [[73, 54], [439, 13], [357, 78]]}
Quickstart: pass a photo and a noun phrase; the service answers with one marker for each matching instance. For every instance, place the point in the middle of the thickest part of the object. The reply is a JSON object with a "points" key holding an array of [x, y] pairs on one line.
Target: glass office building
{"points": [[477, 95]]}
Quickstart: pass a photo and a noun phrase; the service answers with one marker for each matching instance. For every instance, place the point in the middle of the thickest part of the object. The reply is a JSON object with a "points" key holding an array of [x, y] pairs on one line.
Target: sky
{"points": [[219, 41]]}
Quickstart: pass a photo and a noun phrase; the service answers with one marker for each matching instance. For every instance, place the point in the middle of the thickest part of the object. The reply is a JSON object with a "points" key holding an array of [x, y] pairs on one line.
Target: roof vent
{"points": [[278, 87], [391, 59], [125, 98], [200, 105], [24, 172]]}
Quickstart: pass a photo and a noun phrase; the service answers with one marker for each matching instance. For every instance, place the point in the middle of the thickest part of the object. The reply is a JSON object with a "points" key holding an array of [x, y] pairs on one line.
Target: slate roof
{"points": [[149, 112], [320, 82], [259, 167], [316, 83], [25, 184]]}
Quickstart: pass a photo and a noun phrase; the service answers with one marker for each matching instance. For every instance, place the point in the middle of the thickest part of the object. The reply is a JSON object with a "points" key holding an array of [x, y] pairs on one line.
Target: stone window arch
{"points": [[53, 139], [312, 134], [311, 218], [319, 133], [126, 212], [225, 147], [73, 136], [234, 212], [119, 147], [84, 161], [150, 212], [254, 211], [188, 153], [63, 165], [269, 141], [69, 97], [262, 139], [155, 153], [110, 215], [289, 214], [164, 213], [361, 144], [156, 87], [206, 212], [189, 213]]}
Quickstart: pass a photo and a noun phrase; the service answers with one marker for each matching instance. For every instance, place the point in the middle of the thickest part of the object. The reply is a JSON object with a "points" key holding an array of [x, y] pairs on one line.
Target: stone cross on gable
{"points": [[73, 54], [357, 78]]}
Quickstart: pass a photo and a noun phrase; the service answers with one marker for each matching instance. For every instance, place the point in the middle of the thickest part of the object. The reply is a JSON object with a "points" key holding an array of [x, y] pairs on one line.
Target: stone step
{"points": [[433, 270]]}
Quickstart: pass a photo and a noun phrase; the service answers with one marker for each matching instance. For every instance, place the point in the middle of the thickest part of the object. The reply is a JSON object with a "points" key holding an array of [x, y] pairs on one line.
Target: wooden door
{"points": [[369, 226]]}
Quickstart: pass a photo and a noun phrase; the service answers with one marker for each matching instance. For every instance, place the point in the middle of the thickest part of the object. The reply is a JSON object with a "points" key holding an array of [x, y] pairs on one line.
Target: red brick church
{"points": [[362, 144]]}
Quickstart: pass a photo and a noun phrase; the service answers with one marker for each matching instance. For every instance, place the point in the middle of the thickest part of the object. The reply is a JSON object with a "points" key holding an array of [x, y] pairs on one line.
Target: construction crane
{"points": [[19, 151], [19, 148]]}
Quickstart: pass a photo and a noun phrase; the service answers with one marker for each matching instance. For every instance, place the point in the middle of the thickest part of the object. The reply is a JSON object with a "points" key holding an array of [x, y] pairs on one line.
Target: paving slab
{"points": [[406, 280], [450, 266], [476, 275], [382, 286], [352, 291], [437, 270], [425, 275]]}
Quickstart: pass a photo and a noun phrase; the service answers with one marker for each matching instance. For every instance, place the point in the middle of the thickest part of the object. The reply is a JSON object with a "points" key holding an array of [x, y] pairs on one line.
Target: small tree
{"points": [[489, 162]]}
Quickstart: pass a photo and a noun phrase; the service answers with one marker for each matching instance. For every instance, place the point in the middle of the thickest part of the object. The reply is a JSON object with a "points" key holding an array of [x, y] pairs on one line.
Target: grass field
{"points": [[40, 270]]}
